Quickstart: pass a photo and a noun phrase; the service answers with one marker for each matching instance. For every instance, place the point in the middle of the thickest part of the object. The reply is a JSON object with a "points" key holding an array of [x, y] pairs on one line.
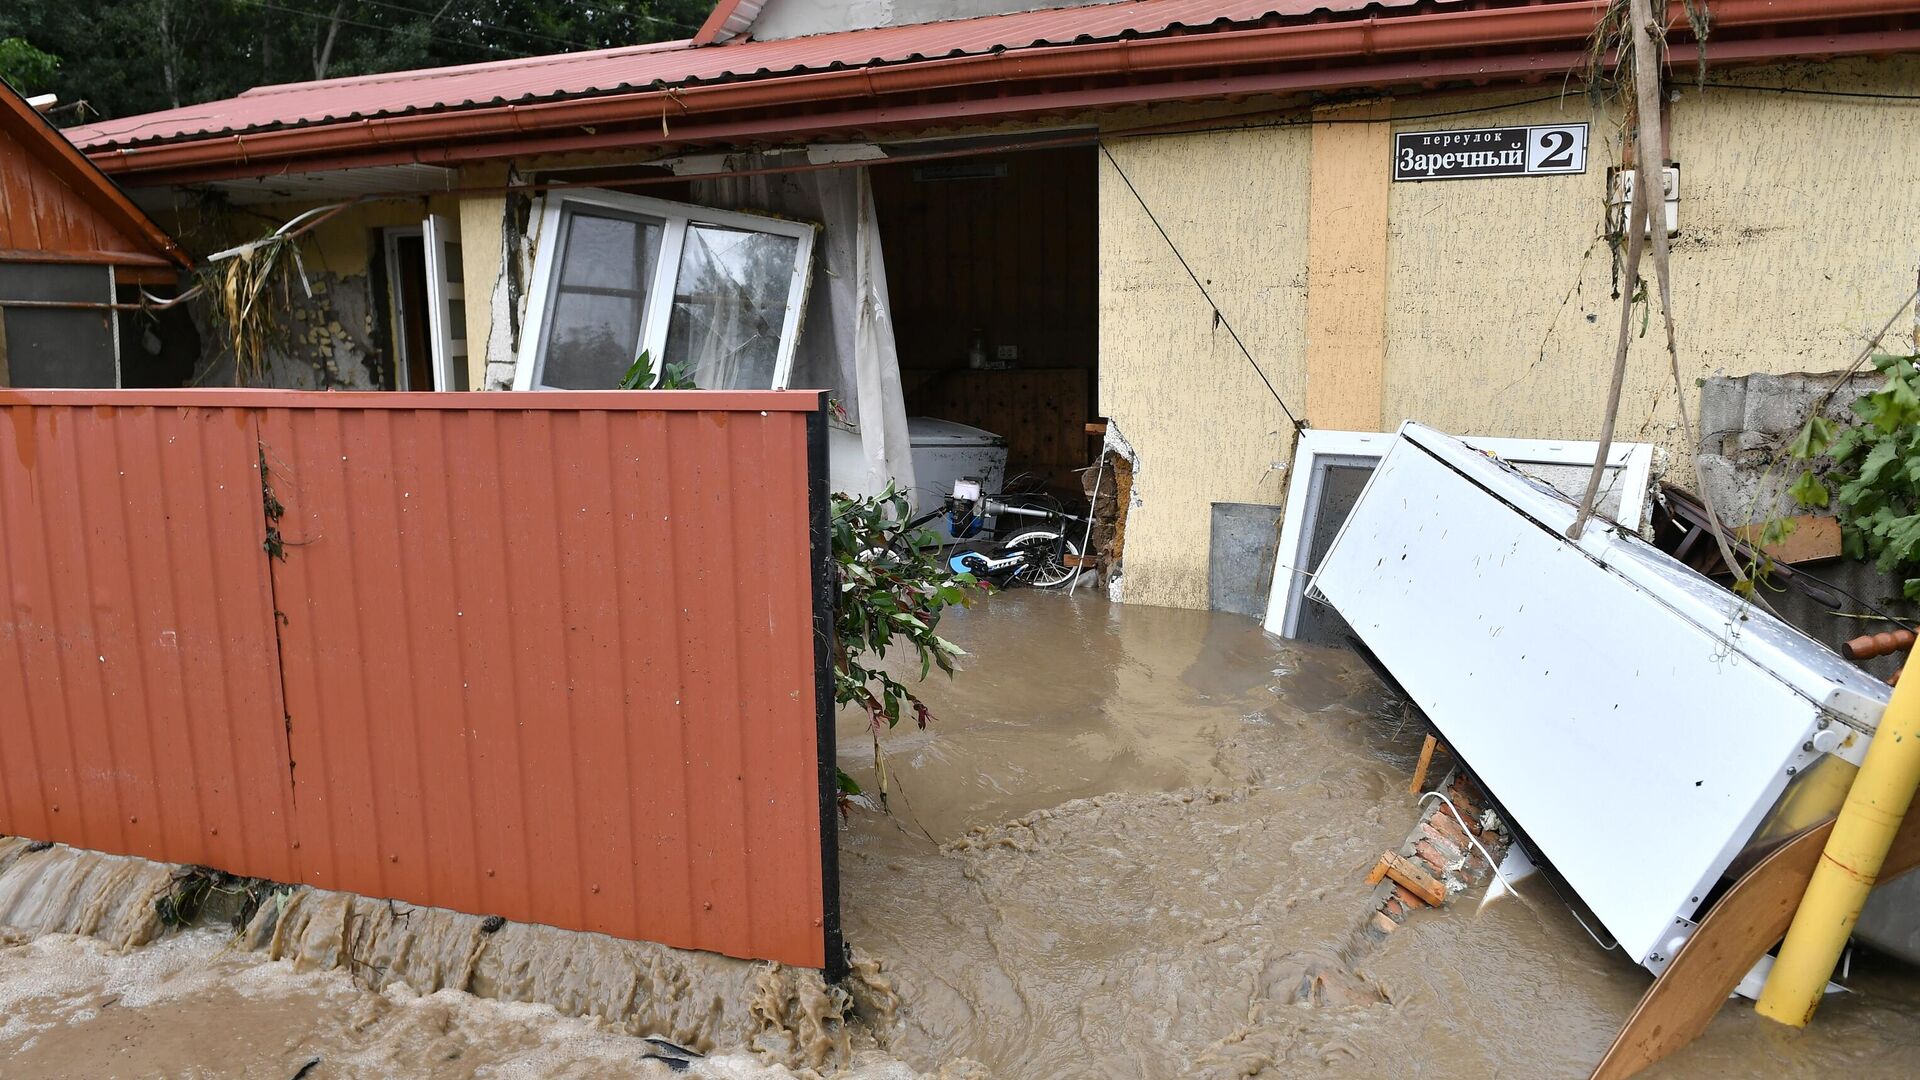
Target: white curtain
{"points": [[846, 340]]}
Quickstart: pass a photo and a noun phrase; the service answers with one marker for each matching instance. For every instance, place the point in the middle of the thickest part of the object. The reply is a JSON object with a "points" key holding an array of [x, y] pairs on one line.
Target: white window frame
{"points": [[449, 342], [1317, 449], [676, 217]]}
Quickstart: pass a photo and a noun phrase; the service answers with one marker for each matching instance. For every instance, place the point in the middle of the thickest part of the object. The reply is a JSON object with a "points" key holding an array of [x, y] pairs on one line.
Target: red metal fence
{"points": [[559, 657]]}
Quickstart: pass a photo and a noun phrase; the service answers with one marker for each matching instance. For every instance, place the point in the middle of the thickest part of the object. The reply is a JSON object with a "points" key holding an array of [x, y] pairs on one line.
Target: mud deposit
{"points": [[1132, 845]]}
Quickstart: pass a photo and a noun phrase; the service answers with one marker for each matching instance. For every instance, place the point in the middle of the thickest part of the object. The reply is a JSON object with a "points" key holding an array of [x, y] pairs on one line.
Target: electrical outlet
{"points": [[1007, 352]]}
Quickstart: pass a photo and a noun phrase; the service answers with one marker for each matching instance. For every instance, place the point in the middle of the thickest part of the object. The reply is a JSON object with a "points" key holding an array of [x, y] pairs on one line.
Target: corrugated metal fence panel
{"points": [[139, 697], [557, 665], [548, 656]]}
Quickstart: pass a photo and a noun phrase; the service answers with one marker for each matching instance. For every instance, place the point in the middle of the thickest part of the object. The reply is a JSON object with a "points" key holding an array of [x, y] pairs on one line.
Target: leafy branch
{"points": [[640, 376], [1871, 474], [893, 587]]}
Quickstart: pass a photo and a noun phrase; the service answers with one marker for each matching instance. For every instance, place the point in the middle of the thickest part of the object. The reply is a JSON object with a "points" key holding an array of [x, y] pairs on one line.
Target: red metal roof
{"points": [[682, 62]]}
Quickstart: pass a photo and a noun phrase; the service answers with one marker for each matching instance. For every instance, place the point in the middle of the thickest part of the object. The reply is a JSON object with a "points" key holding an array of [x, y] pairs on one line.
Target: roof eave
{"points": [[87, 179], [1448, 44]]}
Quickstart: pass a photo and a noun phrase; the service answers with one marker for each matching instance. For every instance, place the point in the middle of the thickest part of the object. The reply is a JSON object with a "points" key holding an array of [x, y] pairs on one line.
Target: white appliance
{"points": [[945, 452], [1637, 721]]}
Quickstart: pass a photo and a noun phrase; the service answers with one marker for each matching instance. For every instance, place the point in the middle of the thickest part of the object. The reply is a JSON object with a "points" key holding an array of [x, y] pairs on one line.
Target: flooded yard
{"points": [[1132, 844]]}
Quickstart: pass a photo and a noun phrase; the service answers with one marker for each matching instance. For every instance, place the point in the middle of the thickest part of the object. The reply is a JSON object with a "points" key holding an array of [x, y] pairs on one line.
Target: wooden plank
{"points": [[1420, 768], [1414, 879], [1379, 872], [1737, 932], [1812, 538]]}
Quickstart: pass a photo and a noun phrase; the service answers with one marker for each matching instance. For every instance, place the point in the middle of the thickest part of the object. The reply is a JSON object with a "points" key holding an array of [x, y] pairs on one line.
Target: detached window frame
{"points": [[675, 219]]}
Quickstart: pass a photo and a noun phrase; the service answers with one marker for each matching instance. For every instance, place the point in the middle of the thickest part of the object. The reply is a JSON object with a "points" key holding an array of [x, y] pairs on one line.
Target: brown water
{"points": [[1132, 845]]}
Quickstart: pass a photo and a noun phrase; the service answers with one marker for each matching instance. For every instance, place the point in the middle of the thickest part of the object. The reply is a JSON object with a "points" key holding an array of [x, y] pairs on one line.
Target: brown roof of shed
{"points": [[56, 206]]}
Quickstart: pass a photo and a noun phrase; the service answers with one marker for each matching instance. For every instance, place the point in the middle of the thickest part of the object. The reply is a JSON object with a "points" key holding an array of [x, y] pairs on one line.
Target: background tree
{"points": [[132, 56]]}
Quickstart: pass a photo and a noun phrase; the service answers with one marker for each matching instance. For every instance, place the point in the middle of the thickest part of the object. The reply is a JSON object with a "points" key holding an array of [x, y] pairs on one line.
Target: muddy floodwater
{"points": [[1133, 844]]}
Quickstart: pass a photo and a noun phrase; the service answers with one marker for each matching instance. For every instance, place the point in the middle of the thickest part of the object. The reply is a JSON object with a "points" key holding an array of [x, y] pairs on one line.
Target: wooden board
{"points": [[1737, 932], [1813, 538]]}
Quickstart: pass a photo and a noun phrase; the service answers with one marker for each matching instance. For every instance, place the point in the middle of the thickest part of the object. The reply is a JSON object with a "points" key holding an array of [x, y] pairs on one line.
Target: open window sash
{"points": [[446, 302], [718, 291]]}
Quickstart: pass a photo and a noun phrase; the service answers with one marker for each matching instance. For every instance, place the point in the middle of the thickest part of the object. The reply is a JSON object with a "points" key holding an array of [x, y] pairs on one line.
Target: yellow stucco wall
{"points": [[1205, 427], [1798, 238]]}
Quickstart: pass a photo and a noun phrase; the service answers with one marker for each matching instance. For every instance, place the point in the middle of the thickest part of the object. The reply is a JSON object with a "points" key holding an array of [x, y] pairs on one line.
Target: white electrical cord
{"points": [[1494, 866]]}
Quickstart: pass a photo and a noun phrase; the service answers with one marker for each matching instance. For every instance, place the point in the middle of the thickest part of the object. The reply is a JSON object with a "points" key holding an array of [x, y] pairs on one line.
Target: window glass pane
{"points": [[606, 252], [729, 305], [593, 324], [591, 340]]}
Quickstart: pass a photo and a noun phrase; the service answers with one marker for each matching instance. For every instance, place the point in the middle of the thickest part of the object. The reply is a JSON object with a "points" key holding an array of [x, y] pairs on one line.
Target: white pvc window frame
{"points": [[1317, 450], [676, 218]]}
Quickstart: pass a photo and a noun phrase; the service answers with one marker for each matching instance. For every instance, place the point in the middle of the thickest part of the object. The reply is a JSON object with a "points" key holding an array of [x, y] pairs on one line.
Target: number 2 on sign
{"points": [[1557, 149]]}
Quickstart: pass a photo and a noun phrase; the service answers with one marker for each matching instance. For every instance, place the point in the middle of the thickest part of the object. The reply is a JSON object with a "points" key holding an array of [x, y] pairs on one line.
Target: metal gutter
{"points": [[542, 127]]}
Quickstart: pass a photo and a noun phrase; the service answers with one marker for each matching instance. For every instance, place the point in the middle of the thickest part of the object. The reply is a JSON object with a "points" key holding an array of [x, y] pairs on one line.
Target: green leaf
{"points": [[1816, 435], [847, 784], [639, 374], [1844, 446], [1875, 465], [1808, 491]]}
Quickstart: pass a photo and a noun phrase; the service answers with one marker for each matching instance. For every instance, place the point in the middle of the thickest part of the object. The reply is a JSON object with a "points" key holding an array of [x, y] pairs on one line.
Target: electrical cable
{"points": [[1812, 92], [1218, 315], [459, 19], [268, 6]]}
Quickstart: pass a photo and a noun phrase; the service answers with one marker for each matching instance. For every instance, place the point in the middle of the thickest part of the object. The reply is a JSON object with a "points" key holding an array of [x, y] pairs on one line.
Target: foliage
{"points": [[639, 375], [894, 584], [25, 67], [1871, 473], [239, 294], [135, 56]]}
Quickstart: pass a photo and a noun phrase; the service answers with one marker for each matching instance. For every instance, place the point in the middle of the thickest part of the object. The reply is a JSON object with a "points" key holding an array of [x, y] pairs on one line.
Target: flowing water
{"points": [[1132, 845]]}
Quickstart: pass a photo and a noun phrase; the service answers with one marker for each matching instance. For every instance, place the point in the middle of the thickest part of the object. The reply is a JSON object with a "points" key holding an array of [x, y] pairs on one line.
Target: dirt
{"points": [[1132, 845]]}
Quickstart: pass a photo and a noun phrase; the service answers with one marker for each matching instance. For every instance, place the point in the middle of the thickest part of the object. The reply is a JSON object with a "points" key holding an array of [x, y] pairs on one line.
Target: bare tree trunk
{"points": [[323, 55], [169, 74]]}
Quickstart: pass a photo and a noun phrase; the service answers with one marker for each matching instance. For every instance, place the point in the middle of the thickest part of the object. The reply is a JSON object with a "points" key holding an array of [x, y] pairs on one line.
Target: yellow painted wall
{"points": [[1798, 238], [1205, 427]]}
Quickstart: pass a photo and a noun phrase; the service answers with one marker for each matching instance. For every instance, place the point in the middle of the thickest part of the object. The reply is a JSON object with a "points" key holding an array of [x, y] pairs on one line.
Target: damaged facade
{"points": [[1030, 179]]}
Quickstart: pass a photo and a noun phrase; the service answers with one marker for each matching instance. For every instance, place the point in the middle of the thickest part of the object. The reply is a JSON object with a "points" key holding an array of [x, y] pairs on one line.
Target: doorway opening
{"points": [[993, 273], [407, 312]]}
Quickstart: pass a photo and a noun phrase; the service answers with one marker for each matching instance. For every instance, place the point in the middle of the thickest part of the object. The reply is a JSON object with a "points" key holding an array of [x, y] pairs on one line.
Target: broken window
{"points": [[716, 291]]}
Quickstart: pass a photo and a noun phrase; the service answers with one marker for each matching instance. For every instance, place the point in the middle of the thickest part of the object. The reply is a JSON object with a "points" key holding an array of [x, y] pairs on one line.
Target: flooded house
{"points": [[509, 721], [1174, 215]]}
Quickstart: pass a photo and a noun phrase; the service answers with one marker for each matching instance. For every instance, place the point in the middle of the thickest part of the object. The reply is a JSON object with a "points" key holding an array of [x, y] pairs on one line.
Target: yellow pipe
{"points": [[1863, 832]]}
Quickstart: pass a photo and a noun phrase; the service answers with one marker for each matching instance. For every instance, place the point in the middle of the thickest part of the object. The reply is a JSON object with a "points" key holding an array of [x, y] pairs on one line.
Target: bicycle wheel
{"points": [[1045, 570]]}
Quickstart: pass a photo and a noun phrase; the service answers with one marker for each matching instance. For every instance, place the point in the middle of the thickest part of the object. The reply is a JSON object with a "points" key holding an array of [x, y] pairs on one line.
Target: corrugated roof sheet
{"points": [[681, 62]]}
